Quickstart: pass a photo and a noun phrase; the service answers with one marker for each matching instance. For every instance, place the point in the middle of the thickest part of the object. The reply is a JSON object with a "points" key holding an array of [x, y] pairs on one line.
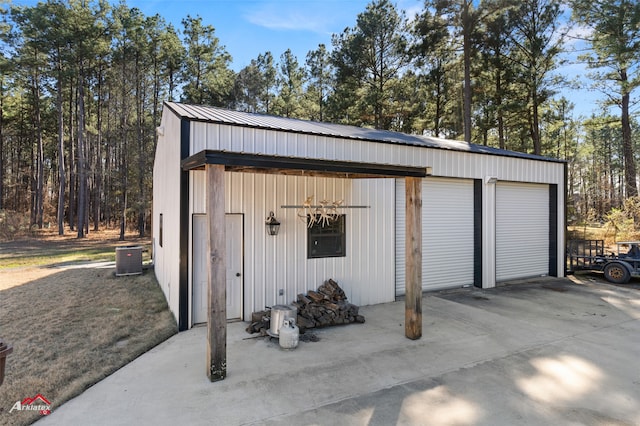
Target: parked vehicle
{"points": [[617, 267]]}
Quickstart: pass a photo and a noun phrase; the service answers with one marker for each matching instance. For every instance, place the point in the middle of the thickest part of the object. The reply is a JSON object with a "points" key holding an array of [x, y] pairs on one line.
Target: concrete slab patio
{"points": [[549, 351]]}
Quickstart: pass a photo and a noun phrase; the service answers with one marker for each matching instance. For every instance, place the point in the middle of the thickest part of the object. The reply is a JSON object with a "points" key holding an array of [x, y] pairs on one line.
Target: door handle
{"points": [[237, 274]]}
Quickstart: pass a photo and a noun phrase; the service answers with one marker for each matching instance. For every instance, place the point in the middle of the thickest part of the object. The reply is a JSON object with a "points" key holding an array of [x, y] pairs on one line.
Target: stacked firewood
{"points": [[325, 307], [322, 308]]}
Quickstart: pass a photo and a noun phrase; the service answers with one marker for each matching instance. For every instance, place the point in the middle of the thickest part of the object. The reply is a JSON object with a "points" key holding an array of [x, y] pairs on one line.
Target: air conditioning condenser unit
{"points": [[128, 261]]}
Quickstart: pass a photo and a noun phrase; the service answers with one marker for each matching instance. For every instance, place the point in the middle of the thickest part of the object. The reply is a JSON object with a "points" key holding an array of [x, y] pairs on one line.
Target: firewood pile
{"points": [[322, 308]]}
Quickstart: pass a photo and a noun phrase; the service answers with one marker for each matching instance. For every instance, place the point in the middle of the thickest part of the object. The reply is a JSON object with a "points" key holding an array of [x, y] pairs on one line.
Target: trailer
{"points": [[618, 267]]}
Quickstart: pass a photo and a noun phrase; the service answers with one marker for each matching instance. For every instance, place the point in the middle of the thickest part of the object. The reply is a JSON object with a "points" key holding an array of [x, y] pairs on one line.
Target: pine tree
{"points": [[615, 41]]}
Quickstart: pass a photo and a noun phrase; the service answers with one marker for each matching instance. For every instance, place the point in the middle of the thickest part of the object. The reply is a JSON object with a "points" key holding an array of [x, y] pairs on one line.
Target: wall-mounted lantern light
{"points": [[273, 226]]}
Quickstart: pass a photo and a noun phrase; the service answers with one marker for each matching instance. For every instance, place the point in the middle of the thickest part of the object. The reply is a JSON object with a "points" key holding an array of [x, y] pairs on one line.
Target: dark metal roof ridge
{"points": [[261, 121]]}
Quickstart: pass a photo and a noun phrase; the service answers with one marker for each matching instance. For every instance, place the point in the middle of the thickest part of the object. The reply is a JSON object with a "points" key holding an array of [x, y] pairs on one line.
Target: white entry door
{"points": [[234, 236], [235, 277]]}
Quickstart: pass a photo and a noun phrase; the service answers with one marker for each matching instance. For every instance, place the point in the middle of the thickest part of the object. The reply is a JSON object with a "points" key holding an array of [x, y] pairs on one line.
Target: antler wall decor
{"points": [[324, 214]]}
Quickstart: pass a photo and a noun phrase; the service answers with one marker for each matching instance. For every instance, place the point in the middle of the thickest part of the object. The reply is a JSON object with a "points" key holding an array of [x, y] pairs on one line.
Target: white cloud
{"points": [[314, 17], [317, 16]]}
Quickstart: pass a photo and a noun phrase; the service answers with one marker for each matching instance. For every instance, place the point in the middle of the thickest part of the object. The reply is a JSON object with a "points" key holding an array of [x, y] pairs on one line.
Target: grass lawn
{"points": [[71, 326]]}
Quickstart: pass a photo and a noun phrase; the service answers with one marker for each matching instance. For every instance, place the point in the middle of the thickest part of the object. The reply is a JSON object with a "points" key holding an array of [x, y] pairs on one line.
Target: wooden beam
{"points": [[217, 287], [413, 247]]}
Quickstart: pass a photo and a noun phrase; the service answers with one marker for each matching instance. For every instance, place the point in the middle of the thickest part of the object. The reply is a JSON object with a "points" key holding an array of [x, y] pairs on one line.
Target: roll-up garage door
{"points": [[522, 230], [447, 233]]}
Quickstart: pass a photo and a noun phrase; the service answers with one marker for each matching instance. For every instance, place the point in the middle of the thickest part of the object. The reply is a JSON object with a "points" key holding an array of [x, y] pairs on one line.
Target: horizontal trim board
{"points": [[240, 162]]}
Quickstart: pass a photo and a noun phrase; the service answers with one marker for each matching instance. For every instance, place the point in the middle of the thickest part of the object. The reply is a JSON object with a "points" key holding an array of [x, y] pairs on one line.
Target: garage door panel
{"points": [[447, 245], [448, 232], [522, 230]]}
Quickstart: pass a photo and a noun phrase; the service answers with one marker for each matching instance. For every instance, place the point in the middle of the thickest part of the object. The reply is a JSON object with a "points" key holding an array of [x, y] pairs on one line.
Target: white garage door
{"points": [[447, 234], [522, 230]]}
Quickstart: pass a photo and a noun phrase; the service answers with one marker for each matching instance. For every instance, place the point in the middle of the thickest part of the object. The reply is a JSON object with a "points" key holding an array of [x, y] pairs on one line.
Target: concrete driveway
{"points": [[540, 352]]}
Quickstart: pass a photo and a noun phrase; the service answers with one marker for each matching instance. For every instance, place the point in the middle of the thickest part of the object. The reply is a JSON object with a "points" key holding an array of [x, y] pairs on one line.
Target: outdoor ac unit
{"points": [[128, 261]]}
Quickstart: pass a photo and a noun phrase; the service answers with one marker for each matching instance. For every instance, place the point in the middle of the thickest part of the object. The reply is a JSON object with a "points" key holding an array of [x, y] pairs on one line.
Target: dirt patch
{"points": [[72, 326], [16, 277]]}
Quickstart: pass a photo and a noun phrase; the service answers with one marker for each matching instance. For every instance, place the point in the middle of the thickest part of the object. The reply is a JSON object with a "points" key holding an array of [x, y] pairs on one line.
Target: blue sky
{"points": [[248, 28]]}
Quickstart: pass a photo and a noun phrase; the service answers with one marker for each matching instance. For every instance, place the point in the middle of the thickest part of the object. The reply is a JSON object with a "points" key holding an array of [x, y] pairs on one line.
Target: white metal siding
{"points": [[273, 263], [522, 230], [166, 180], [447, 233], [444, 162]]}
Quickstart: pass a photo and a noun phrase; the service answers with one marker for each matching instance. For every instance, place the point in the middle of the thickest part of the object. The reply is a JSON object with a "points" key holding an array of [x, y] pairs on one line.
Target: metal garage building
{"points": [[488, 215]]}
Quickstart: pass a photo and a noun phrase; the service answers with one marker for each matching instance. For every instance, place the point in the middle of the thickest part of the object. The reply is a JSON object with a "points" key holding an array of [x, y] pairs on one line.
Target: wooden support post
{"points": [[217, 281], [413, 247]]}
